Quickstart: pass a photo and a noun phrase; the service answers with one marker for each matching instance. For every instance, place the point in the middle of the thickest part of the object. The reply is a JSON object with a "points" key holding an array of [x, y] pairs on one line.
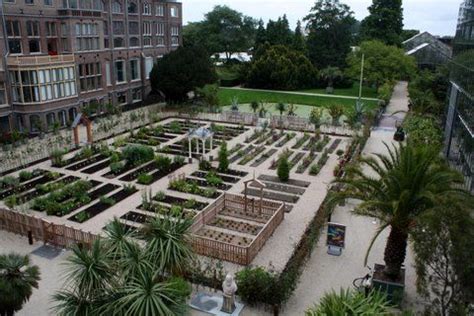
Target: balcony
{"points": [[79, 12], [31, 61]]}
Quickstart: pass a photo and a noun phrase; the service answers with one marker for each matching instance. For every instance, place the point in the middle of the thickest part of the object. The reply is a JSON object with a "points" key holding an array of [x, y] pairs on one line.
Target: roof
{"points": [[200, 132], [419, 47]]}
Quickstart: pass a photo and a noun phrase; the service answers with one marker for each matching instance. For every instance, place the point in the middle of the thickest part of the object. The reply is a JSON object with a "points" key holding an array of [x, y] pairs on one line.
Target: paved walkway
{"points": [[336, 96]]}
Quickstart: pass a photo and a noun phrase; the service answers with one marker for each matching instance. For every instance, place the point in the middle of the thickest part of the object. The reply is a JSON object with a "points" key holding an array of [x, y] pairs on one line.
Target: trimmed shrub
{"points": [[255, 285], [223, 158], [138, 154], [283, 169], [145, 178]]}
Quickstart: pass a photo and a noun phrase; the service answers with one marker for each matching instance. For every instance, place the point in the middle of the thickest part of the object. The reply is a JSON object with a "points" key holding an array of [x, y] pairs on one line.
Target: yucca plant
{"points": [[397, 189], [348, 303], [17, 280]]}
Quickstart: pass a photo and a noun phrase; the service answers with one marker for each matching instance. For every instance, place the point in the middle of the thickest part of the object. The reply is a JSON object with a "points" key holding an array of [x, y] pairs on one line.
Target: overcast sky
{"points": [[435, 16]]}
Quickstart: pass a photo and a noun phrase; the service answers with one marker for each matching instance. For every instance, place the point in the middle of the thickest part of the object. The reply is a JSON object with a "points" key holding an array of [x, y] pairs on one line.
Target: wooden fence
{"points": [[42, 230], [237, 254]]}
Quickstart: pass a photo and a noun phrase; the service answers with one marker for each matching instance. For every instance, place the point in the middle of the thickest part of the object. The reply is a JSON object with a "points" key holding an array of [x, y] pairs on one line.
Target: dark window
{"points": [[13, 28], [132, 8], [48, 2], [134, 42], [133, 28], [29, 1], [34, 46], [118, 42], [14, 46]]}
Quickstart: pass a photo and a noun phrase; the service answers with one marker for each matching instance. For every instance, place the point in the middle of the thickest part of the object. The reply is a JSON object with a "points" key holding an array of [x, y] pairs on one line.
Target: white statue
{"points": [[229, 287]]}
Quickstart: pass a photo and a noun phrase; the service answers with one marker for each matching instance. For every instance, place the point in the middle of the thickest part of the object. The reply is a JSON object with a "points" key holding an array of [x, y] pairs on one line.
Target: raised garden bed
{"points": [[224, 237], [43, 189], [175, 211], [251, 155], [275, 137], [301, 141], [101, 206], [193, 187], [136, 217], [30, 185], [238, 226], [307, 161], [272, 195], [296, 158], [97, 167], [203, 174], [284, 188], [186, 203], [334, 145], [286, 139], [241, 153], [316, 168], [286, 153], [264, 157], [298, 183], [87, 162]]}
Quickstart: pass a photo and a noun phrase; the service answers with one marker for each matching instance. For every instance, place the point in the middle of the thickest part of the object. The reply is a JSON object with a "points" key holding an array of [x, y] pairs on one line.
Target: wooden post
{"points": [[89, 132], [261, 201], [245, 198], [76, 136]]}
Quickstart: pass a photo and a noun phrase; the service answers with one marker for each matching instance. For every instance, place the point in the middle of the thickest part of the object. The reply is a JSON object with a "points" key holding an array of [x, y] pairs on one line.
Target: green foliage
{"points": [[223, 157], [330, 74], [107, 200], [160, 196], [283, 171], [213, 179], [10, 182], [386, 91], [117, 167], [179, 160], [382, 63], [329, 39], [428, 92], [145, 178], [135, 155], [182, 71], [462, 70], [278, 32], [350, 302], [208, 94], [17, 280], [25, 175], [205, 165], [280, 68], [336, 111], [57, 157], [384, 23], [315, 118], [163, 162], [423, 131], [256, 285]]}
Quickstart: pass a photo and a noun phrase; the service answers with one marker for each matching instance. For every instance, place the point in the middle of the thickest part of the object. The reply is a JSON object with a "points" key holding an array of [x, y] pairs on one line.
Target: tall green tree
{"points": [[182, 71], [260, 35], [382, 63], [278, 32], [329, 41], [17, 280], [384, 23], [398, 189], [223, 157], [299, 42]]}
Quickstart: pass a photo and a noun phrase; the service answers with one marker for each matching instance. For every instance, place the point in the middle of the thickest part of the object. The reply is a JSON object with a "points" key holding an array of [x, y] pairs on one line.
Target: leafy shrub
{"points": [[86, 152], [340, 152], [255, 285], [25, 175], [160, 196], [129, 188], [223, 158], [314, 170], [205, 165], [163, 162], [82, 217], [12, 201], [117, 167], [57, 157], [179, 160], [107, 200], [10, 182], [213, 179], [145, 178], [385, 92], [283, 171], [114, 158], [181, 287], [138, 154]]}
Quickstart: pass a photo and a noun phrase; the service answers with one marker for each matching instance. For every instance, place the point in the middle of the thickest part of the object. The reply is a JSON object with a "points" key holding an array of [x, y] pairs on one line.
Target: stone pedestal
{"points": [[228, 305]]}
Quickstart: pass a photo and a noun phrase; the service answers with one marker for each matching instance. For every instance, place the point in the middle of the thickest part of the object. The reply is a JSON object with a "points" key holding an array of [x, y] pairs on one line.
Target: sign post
{"points": [[336, 238]]}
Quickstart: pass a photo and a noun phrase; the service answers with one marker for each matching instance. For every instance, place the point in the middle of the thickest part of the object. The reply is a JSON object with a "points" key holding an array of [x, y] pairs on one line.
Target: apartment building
{"points": [[459, 128], [61, 55]]}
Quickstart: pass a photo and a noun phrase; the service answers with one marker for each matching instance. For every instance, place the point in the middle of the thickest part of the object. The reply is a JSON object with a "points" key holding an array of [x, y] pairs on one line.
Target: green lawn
{"points": [[367, 92], [226, 95]]}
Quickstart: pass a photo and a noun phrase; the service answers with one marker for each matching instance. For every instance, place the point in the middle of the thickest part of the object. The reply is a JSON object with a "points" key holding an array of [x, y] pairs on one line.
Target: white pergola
{"points": [[202, 134]]}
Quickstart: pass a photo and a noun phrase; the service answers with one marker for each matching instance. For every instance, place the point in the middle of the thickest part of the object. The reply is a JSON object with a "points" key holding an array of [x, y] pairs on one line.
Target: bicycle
{"points": [[364, 283]]}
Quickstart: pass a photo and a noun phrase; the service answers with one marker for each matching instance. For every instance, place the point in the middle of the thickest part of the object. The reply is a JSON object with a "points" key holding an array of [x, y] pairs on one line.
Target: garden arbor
{"points": [[201, 134], [82, 119]]}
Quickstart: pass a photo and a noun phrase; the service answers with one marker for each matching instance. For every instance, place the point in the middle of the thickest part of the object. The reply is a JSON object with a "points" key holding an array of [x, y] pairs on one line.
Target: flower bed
{"points": [[275, 137], [86, 162], [238, 226], [298, 183], [192, 187], [42, 189], [334, 145], [286, 139], [186, 203], [296, 158], [307, 161], [47, 177], [272, 195], [284, 154], [301, 141], [316, 168], [228, 179], [174, 210], [263, 157], [241, 153], [251, 155], [224, 237]]}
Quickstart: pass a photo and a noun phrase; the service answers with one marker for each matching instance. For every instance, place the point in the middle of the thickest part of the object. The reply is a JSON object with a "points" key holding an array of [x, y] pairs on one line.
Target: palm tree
{"points": [[292, 109], [17, 280], [316, 119], [254, 105], [336, 111], [281, 107], [330, 74], [167, 243], [408, 182]]}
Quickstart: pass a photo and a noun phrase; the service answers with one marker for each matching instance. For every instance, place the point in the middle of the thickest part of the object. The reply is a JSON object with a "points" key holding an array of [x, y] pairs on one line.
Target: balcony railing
{"points": [[39, 60]]}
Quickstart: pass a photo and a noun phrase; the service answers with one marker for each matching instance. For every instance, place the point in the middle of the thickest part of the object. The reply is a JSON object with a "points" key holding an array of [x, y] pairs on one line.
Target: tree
{"points": [[260, 35], [122, 277], [209, 95], [283, 169], [409, 182], [329, 74], [281, 107], [384, 23], [407, 34], [182, 71], [299, 42], [445, 267], [17, 280], [280, 68], [329, 39], [350, 302], [255, 106], [227, 31], [279, 33], [315, 118], [382, 63], [336, 111], [223, 157]]}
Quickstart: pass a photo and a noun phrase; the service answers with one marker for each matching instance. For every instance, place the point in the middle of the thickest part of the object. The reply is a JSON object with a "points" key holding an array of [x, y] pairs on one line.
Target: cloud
{"points": [[435, 16]]}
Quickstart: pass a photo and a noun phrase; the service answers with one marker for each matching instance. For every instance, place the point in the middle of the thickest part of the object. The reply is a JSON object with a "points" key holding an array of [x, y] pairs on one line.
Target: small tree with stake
{"points": [[223, 158], [283, 169], [315, 119]]}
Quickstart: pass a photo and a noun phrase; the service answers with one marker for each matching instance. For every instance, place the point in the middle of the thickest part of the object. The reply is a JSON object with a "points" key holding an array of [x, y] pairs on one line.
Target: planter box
{"points": [[392, 288]]}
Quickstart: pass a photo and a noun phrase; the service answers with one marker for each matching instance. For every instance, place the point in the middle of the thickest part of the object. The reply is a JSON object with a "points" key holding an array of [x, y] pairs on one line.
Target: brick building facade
{"points": [[61, 55]]}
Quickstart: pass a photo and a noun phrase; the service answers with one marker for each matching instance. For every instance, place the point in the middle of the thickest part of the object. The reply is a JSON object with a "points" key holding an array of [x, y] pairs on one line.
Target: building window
{"points": [[174, 12], [51, 29], [14, 46], [32, 28], [159, 9], [122, 98], [147, 41], [120, 71], [146, 28], [14, 37], [48, 2], [87, 36], [134, 69], [9, 1], [62, 118], [175, 31], [160, 29], [13, 29], [175, 41], [90, 76], [148, 66], [137, 95], [71, 4], [134, 42], [118, 28], [35, 123], [29, 2], [50, 120], [160, 41], [34, 46], [133, 28], [116, 7], [118, 42], [43, 85], [106, 27], [146, 9], [132, 8], [108, 77]]}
